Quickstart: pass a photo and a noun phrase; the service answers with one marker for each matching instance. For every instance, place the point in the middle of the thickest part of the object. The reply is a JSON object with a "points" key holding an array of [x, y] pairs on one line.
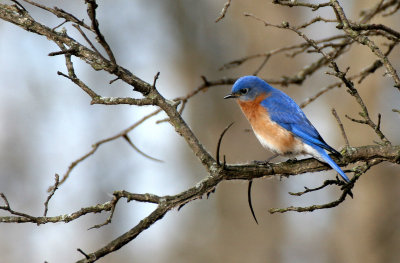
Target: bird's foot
{"points": [[266, 161], [291, 160], [260, 162]]}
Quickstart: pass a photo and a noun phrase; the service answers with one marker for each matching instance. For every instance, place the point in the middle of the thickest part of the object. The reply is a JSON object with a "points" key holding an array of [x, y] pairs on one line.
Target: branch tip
{"points": [[220, 140]]}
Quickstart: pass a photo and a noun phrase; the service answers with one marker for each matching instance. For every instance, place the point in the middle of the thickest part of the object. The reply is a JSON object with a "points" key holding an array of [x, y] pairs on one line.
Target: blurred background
{"points": [[46, 122]]}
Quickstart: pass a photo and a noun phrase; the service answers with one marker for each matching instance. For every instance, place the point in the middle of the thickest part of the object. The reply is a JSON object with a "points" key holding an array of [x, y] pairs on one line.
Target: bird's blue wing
{"points": [[285, 112]]}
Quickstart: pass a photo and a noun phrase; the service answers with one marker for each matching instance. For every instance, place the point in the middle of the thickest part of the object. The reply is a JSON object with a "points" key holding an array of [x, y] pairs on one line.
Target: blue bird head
{"points": [[248, 88]]}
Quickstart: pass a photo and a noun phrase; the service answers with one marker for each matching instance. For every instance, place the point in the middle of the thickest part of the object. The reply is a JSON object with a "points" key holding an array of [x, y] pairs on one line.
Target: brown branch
{"points": [[19, 5], [312, 207], [88, 40], [19, 217], [53, 190], [319, 93], [291, 3], [361, 169], [26, 22], [339, 74], [126, 137], [290, 168], [263, 63], [377, 64], [316, 19], [306, 71], [394, 10], [310, 190], [364, 40], [359, 27], [7, 207], [223, 11], [396, 110], [346, 140], [120, 101], [219, 142], [324, 60], [361, 75], [81, 84], [182, 100], [61, 14], [367, 119], [25, 218], [371, 154], [23, 20], [96, 145], [131, 101], [91, 10]]}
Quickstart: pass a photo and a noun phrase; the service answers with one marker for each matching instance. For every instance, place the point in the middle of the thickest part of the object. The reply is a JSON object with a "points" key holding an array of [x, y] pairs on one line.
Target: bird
{"points": [[278, 122]]}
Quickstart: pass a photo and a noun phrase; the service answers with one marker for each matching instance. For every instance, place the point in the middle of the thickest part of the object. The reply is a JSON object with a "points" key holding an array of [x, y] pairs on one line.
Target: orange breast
{"points": [[270, 134]]}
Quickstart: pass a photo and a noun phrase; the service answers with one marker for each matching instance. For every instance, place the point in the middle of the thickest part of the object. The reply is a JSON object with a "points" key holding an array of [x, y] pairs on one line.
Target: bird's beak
{"points": [[230, 96]]}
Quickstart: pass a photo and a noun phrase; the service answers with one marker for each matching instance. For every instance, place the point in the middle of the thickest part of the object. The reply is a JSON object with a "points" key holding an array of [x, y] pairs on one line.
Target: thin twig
{"points": [[291, 3], [113, 203], [83, 253], [223, 11], [261, 65], [126, 137], [61, 14], [220, 140], [87, 40], [99, 143], [316, 19], [346, 140], [53, 190], [71, 51], [91, 10], [345, 193], [19, 5], [249, 200], [364, 40]]}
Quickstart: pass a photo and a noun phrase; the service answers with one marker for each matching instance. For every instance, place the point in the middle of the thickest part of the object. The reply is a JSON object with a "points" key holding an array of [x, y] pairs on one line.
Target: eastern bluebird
{"points": [[279, 123]]}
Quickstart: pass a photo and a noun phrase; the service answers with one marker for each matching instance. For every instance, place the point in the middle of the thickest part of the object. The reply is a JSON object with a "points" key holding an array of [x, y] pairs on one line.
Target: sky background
{"points": [[46, 122]]}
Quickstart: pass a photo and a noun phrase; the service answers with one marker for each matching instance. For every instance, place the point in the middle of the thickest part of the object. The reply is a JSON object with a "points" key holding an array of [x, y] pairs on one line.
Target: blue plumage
{"points": [[282, 110]]}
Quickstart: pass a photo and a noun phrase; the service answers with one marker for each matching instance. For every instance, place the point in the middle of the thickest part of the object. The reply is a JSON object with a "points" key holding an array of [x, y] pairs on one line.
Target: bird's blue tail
{"points": [[329, 161]]}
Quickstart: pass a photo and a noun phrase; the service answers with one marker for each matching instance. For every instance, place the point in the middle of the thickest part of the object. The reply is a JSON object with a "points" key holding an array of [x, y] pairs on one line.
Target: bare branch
{"points": [[20, 217], [346, 140], [220, 140], [316, 19], [359, 27], [53, 190], [292, 3], [364, 41], [19, 5], [61, 14], [101, 142], [126, 137], [325, 184], [244, 172], [330, 48], [223, 11], [249, 200], [346, 191], [91, 10], [88, 40]]}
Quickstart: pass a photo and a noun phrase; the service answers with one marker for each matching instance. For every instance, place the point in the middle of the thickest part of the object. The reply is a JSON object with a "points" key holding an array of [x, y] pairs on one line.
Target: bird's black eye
{"points": [[244, 91]]}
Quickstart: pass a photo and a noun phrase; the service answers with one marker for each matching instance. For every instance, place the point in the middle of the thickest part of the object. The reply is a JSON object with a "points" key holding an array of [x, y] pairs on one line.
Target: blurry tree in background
{"points": [[332, 54]]}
